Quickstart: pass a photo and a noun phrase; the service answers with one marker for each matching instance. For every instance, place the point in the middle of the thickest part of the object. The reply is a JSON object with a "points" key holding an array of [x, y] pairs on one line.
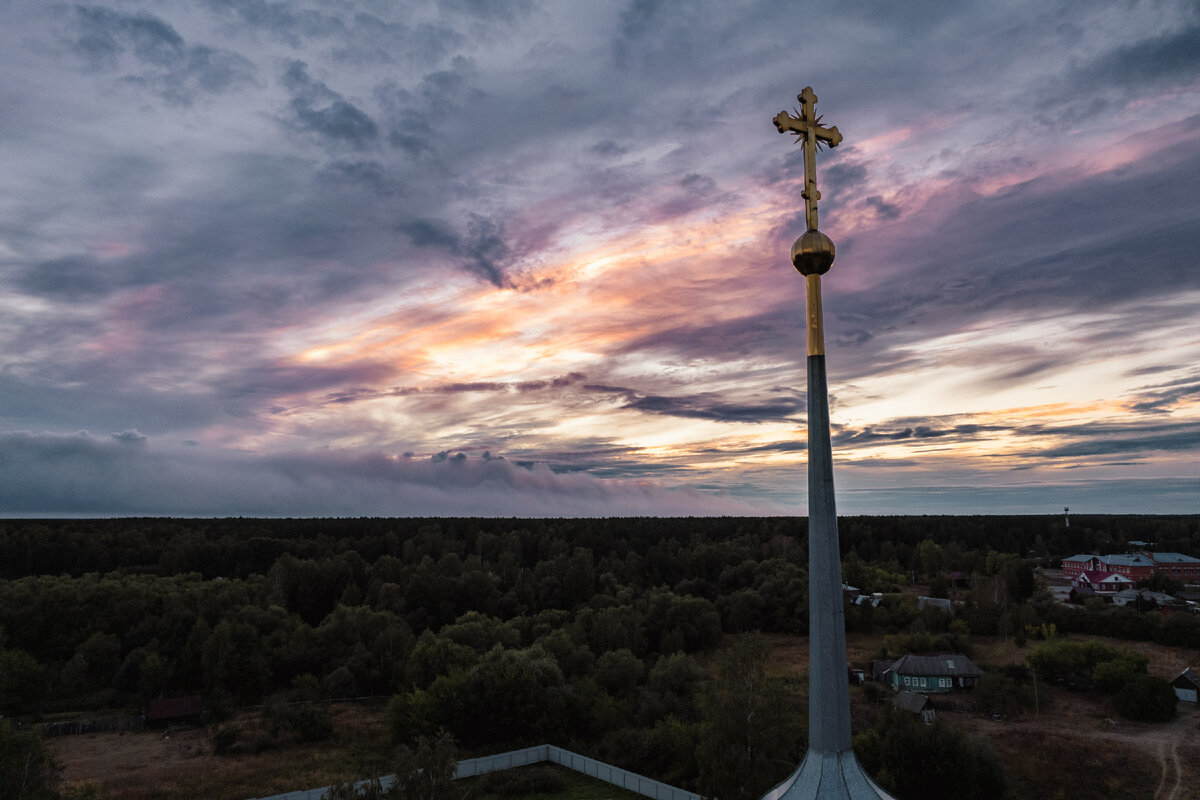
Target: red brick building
{"points": [[1136, 566]]}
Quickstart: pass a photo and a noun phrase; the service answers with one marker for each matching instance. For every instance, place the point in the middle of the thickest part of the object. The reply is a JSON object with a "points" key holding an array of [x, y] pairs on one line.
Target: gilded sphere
{"points": [[813, 252]]}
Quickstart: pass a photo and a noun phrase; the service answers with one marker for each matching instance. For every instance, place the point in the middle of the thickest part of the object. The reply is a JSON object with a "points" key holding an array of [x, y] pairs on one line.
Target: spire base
{"points": [[828, 776]]}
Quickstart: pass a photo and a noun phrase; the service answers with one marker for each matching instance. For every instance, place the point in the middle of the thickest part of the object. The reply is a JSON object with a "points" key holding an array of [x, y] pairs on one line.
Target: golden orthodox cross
{"points": [[809, 130]]}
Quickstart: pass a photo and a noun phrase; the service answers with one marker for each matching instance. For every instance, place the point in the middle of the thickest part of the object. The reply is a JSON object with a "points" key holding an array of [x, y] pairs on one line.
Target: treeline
{"points": [[239, 547]]}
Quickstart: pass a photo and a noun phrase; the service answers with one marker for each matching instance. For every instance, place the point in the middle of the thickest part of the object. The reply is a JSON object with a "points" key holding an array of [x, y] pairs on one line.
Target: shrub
{"points": [[1147, 699], [915, 760], [224, 741], [310, 723]]}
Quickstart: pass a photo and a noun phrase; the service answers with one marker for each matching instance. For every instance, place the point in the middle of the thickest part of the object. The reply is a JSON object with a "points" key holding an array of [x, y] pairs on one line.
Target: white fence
{"points": [[469, 768]]}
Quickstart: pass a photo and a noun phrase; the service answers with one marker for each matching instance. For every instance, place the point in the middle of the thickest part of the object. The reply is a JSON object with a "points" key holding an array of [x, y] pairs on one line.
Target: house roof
{"points": [[910, 701], [1079, 558], [934, 602], [1187, 676], [1135, 560], [1132, 594], [1099, 576], [1174, 558], [953, 665]]}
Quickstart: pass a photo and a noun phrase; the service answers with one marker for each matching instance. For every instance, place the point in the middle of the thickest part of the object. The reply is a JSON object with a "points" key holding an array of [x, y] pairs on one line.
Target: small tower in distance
{"points": [[1067, 517]]}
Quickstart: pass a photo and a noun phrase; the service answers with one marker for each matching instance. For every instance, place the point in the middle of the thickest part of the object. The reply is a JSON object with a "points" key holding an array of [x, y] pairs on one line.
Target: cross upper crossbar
{"points": [[808, 127]]}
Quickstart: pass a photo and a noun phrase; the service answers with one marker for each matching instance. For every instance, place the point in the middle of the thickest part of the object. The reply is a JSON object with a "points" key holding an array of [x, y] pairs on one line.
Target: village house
{"points": [[1187, 686], [932, 673], [1104, 584], [1144, 598]]}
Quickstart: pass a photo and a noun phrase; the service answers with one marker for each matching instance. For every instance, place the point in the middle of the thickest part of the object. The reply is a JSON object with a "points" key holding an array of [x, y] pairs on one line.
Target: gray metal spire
{"points": [[829, 769]]}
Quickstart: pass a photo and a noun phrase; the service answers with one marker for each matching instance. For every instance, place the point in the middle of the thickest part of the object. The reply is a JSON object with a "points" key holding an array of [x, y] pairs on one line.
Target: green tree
{"points": [[27, 770], [22, 682], [933, 559], [619, 671], [426, 772], [233, 661], [751, 736]]}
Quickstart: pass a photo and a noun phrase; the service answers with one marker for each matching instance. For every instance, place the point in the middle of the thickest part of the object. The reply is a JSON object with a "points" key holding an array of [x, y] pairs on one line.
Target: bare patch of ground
{"points": [[181, 766]]}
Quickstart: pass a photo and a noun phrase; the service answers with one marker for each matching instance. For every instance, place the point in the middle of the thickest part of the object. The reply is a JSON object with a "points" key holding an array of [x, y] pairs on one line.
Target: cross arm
{"points": [[785, 123]]}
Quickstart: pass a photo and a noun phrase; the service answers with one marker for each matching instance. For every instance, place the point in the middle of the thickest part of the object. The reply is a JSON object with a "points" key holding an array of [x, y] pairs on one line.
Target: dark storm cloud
{"points": [[368, 174], [265, 381], [506, 12], [1173, 56], [1160, 399], [83, 474], [786, 446], [280, 20], [884, 209], [71, 278], [482, 250], [609, 149], [371, 40], [1104, 439], [779, 328], [706, 406], [245, 243], [1099, 438], [661, 36], [166, 64], [892, 431], [318, 109], [846, 176]]}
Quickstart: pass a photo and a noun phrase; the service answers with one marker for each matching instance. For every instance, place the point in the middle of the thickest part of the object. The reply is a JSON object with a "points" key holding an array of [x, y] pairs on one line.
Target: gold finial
{"points": [[813, 252]]}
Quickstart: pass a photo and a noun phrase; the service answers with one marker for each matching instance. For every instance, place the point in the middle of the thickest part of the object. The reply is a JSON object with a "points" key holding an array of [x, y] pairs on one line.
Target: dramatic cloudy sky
{"points": [[530, 258]]}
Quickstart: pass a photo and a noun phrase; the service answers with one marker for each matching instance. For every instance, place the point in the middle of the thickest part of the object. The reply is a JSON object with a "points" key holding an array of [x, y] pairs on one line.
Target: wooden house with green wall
{"points": [[932, 673]]}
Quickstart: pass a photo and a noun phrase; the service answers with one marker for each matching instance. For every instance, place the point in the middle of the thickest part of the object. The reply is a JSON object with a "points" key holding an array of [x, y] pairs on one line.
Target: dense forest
{"points": [[585, 633]]}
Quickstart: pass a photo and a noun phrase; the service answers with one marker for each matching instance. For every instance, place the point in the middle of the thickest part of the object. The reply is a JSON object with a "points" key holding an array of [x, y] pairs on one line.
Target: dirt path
{"points": [[1163, 741]]}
